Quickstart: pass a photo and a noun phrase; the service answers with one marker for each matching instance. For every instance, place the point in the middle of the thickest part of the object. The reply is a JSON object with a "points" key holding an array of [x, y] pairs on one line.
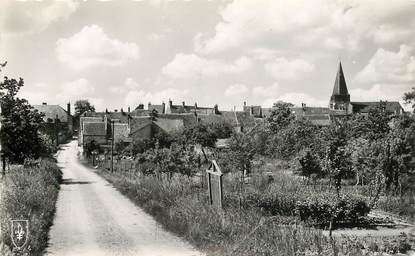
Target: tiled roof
{"points": [[235, 118], [169, 125], [93, 114], [256, 110], [121, 131], [140, 112], [51, 111], [188, 119], [364, 107], [137, 123], [94, 129], [316, 115]]}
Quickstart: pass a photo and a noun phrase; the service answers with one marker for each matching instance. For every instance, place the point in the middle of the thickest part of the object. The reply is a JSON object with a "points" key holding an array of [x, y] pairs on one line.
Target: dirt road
{"points": [[93, 218]]}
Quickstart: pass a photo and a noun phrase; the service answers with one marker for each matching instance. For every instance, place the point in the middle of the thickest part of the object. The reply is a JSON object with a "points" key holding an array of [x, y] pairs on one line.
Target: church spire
{"points": [[340, 99], [340, 87]]}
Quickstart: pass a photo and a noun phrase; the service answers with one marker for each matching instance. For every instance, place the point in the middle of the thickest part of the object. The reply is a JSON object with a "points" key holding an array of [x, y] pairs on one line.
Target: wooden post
{"points": [[112, 147], [56, 131], [214, 180]]}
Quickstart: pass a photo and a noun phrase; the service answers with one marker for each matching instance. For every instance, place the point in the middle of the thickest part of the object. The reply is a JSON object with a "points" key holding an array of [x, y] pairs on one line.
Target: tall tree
{"points": [[82, 106], [20, 125], [337, 161], [281, 116], [409, 98]]}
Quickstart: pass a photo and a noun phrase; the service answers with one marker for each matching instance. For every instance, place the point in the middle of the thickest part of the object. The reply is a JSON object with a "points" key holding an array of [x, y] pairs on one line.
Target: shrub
{"points": [[325, 208]]}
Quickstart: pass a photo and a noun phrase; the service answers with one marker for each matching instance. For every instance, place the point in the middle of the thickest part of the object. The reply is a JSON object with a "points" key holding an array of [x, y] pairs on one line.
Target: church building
{"points": [[340, 103]]}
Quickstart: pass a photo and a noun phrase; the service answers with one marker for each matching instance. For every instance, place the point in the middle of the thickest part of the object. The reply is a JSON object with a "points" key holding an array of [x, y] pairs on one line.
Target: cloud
{"points": [[135, 97], [22, 18], [390, 67], [288, 69], [98, 103], [69, 91], [261, 91], [193, 66], [76, 89], [296, 99], [375, 93], [129, 84], [307, 24], [236, 89], [91, 47], [265, 54]]}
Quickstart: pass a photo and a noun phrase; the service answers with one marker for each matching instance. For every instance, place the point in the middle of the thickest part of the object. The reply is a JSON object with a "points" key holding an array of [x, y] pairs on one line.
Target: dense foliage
{"points": [[20, 134]]}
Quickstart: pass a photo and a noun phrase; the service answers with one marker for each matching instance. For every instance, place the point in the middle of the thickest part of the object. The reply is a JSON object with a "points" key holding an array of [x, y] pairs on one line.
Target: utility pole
{"points": [[112, 146], [3, 157], [56, 131]]}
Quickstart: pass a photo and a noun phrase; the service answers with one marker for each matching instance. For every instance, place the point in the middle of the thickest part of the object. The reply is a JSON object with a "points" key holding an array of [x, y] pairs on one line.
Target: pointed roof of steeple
{"points": [[340, 87]]}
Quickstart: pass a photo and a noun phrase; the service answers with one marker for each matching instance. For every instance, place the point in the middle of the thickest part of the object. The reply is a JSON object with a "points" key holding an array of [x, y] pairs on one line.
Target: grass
{"points": [[243, 227], [29, 193]]}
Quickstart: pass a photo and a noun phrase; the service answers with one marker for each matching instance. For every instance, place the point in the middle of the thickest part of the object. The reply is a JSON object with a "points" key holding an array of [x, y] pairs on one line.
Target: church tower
{"points": [[340, 99]]}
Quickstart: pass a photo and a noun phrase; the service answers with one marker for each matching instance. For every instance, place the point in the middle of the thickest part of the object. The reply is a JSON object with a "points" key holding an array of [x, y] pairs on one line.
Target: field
{"points": [[259, 217]]}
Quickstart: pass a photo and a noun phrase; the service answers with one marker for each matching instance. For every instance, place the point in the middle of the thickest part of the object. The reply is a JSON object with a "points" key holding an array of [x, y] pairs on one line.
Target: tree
{"points": [[294, 137], [242, 152], [281, 116], [199, 134], [309, 164], [221, 130], [20, 126], [81, 106], [409, 98], [336, 162], [154, 115]]}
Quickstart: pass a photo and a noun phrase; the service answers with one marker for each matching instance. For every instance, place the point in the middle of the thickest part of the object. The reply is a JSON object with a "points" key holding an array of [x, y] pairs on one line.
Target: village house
{"points": [[58, 122], [169, 108]]}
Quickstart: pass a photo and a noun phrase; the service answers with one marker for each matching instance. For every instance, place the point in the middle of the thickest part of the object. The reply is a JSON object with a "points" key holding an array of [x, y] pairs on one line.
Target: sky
{"points": [[118, 54]]}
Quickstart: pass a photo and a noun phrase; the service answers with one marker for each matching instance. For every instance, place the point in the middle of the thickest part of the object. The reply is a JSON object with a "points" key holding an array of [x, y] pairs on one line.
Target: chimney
{"points": [[168, 107], [163, 105], [68, 108], [149, 106], [128, 109], [44, 103], [122, 110], [115, 110], [195, 105], [251, 112], [244, 103], [183, 104], [216, 109]]}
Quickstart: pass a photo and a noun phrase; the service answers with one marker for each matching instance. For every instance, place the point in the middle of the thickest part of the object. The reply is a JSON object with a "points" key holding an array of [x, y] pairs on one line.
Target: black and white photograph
{"points": [[207, 127]]}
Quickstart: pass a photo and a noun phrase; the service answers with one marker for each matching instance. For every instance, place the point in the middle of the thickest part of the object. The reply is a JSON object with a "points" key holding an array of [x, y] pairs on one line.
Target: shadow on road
{"points": [[75, 182]]}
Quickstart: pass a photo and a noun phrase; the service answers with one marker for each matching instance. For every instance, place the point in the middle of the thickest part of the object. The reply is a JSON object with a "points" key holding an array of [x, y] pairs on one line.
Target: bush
{"points": [[325, 208], [30, 193]]}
